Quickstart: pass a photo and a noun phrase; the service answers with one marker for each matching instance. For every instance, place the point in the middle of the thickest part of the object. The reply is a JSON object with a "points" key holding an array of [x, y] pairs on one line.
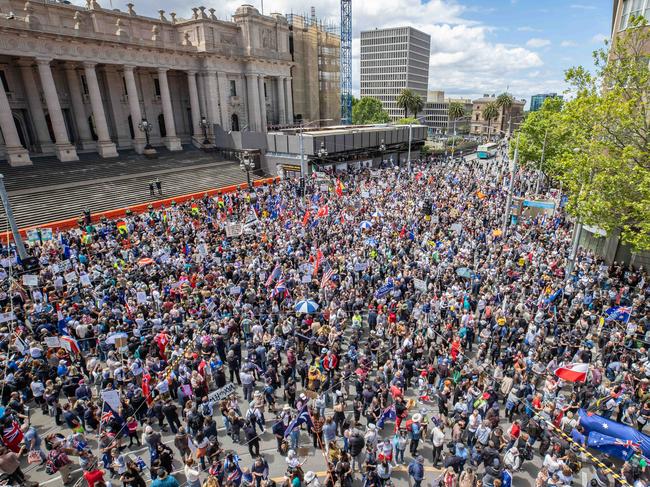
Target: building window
{"points": [[3, 78], [84, 84], [156, 86], [633, 8], [233, 87]]}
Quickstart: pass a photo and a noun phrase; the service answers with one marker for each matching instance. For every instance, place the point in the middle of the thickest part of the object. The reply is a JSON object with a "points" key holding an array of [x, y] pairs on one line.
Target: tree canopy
{"points": [[598, 143], [409, 101], [369, 110]]}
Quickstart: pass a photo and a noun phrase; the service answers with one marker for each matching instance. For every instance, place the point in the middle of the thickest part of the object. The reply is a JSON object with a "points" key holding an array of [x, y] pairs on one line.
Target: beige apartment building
{"points": [[315, 50], [83, 78], [506, 123]]}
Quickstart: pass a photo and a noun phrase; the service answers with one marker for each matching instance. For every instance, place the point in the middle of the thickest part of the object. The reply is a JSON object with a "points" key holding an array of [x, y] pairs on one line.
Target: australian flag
{"points": [[626, 435], [280, 289], [611, 446], [110, 416], [388, 414], [618, 313], [275, 273], [303, 418]]}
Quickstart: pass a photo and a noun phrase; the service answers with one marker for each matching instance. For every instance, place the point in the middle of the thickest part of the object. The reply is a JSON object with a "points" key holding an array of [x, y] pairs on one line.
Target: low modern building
{"points": [[83, 78], [436, 111], [536, 101], [506, 122], [315, 49], [392, 60], [341, 147]]}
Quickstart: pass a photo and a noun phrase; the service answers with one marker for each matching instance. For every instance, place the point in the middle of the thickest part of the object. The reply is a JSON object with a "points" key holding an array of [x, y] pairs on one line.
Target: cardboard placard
{"points": [[71, 277], [5, 317], [141, 297], [235, 290], [306, 279], [112, 398], [360, 266], [52, 342], [223, 393], [234, 230], [420, 284], [85, 280], [30, 280]]}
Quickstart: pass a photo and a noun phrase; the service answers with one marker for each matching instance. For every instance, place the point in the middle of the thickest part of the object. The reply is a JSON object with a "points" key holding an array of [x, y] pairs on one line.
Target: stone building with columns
{"points": [[82, 79]]}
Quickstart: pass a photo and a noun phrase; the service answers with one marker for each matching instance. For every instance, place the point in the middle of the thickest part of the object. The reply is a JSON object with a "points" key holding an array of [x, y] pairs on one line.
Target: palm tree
{"points": [[410, 102], [456, 111], [405, 100], [504, 102], [490, 112]]}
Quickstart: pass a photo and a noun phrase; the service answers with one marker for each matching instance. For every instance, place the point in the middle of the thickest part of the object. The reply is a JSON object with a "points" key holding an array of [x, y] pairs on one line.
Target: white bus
{"points": [[486, 151]]}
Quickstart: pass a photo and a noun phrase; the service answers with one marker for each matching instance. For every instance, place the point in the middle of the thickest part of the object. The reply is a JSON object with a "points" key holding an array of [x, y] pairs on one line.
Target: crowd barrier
{"points": [[69, 223]]}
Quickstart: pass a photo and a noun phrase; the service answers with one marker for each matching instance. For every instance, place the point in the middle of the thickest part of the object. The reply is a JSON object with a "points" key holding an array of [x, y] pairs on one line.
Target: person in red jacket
{"points": [[330, 362]]}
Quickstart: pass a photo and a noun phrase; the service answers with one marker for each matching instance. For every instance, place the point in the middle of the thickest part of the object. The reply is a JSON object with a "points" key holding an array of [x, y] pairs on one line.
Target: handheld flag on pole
{"points": [[122, 228], [573, 372], [303, 418], [388, 414], [275, 274], [339, 188], [611, 446]]}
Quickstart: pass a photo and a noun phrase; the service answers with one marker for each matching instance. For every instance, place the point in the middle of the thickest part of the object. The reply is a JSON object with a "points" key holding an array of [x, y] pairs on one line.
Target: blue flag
{"points": [[388, 414], [303, 418], [385, 289], [618, 313], [611, 446], [553, 296], [594, 423]]}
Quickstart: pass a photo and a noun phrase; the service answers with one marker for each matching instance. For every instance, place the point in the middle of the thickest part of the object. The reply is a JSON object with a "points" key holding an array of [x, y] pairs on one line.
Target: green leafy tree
{"points": [[369, 110], [598, 144], [504, 102], [409, 101], [456, 111], [490, 112], [407, 121]]}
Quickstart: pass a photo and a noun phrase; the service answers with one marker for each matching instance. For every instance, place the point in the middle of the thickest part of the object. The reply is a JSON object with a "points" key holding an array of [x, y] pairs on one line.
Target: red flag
{"points": [[319, 257], [323, 211], [573, 372], [418, 176], [402, 232], [146, 391], [339, 188], [305, 219]]}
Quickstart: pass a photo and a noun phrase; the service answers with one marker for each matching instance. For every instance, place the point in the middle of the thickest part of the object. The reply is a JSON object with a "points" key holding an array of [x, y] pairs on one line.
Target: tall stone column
{"points": [[253, 101], [194, 104], [64, 150], [139, 141], [260, 81], [115, 109], [36, 112], [105, 146], [224, 101], [80, 118], [200, 84], [282, 113], [172, 142], [17, 155], [212, 99], [287, 85]]}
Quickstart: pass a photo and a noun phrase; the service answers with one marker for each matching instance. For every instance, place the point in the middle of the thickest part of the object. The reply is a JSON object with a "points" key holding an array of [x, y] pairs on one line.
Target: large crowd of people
{"points": [[383, 312]]}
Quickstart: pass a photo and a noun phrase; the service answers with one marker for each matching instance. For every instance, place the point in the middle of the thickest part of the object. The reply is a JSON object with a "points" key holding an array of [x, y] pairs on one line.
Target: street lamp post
{"points": [[146, 127], [506, 214], [303, 168], [204, 125], [541, 164], [246, 165], [408, 162]]}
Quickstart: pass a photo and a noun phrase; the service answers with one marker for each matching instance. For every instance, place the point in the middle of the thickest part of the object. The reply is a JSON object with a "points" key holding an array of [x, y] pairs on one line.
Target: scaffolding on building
{"points": [[346, 62]]}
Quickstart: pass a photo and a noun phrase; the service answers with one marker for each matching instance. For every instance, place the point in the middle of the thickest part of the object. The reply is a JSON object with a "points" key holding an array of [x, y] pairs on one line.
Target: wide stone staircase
{"points": [[51, 190]]}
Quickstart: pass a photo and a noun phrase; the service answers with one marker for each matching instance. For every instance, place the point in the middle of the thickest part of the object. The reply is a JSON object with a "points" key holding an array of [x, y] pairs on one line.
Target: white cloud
{"points": [[465, 57], [528, 28], [568, 44], [599, 38], [582, 6], [536, 42]]}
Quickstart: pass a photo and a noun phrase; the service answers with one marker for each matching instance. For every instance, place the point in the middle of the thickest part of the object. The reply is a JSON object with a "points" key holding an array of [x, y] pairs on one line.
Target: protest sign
{"points": [[420, 284], [30, 280], [52, 342], [223, 393], [112, 398], [234, 230]]}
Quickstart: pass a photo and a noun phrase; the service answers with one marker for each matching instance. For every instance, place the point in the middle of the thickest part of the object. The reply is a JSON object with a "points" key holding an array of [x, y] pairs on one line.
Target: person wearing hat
{"points": [[416, 470], [311, 480], [414, 429]]}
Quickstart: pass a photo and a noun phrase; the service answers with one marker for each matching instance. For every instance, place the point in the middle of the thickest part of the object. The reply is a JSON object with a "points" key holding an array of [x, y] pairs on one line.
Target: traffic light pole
{"points": [[20, 245]]}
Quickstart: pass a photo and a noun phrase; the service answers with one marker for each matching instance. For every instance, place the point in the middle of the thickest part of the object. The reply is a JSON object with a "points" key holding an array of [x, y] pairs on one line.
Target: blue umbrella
{"points": [[365, 225], [306, 306]]}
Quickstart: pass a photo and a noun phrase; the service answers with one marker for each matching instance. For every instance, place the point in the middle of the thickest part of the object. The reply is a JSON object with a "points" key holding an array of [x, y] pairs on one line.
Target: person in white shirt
{"points": [[438, 440], [192, 473]]}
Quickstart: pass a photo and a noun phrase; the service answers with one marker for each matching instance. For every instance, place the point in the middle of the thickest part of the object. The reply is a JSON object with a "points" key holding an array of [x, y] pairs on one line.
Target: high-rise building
{"points": [[436, 112], [315, 48], [392, 60], [536, 101]]}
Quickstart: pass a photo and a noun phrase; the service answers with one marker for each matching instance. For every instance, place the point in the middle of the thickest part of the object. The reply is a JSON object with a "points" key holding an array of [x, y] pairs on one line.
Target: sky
{"points": [[477, 46]]}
